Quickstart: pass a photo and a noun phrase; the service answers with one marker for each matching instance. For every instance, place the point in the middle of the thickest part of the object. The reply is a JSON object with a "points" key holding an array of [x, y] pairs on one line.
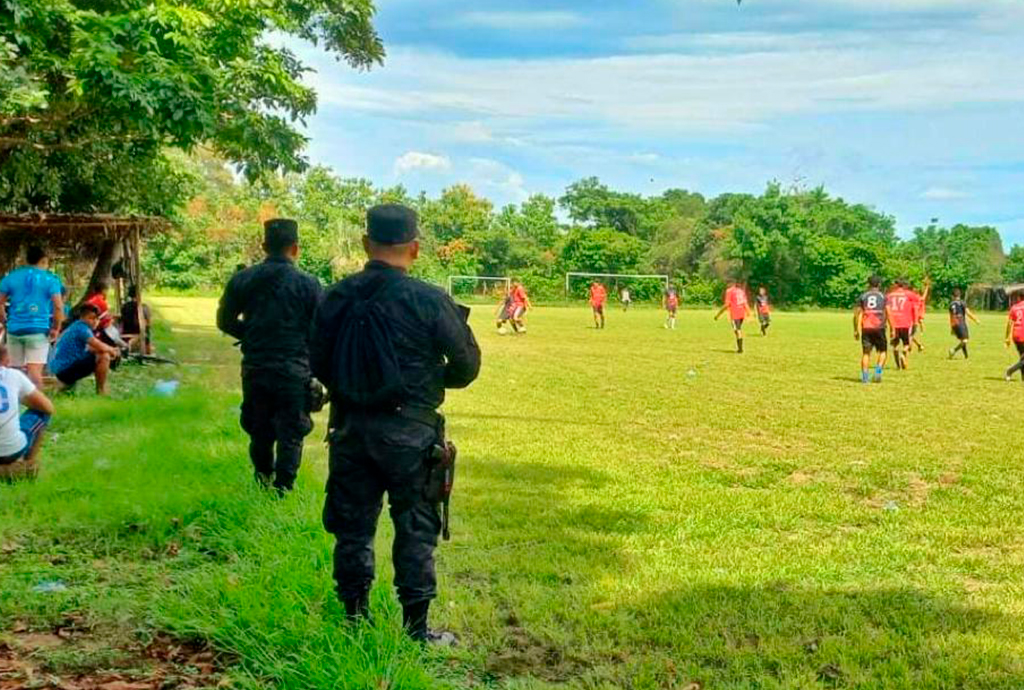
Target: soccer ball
{"points": [[502, 331]]}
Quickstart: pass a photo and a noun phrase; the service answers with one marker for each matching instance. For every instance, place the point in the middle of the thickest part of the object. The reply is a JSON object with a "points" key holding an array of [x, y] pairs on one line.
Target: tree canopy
{"points": [[93, 94], [806, 246]]}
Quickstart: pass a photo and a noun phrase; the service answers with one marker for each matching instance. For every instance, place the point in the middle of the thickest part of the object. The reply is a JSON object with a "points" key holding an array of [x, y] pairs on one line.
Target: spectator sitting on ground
{"points": [[21, 434], [80, 354], [135, 320]]}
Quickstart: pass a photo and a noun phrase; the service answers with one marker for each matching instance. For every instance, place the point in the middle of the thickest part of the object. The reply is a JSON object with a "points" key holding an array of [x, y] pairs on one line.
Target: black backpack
{"points": [[367, 375]]}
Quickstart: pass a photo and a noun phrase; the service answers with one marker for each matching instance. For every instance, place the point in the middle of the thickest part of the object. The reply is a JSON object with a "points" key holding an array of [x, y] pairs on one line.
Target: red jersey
{"points": [[916, 305], [901, 308], [672, 299], [598, 295], [1017, 317], [519, 298], [736, 300]]}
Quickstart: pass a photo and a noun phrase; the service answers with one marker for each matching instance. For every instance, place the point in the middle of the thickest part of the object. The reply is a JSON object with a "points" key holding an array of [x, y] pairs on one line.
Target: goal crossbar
{"points": [[504, 279], [630, 276]]}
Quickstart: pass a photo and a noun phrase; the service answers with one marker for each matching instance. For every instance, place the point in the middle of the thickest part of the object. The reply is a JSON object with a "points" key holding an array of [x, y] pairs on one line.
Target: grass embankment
{"points": [[636, 508]]}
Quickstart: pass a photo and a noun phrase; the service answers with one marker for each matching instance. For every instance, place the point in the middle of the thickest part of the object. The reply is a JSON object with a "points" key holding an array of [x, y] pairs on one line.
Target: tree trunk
{"points": [[110, 254]]}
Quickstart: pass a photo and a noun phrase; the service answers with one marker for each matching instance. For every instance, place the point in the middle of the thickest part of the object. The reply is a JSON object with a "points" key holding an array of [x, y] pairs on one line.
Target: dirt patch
{"points": [[918, 490], [799, 478], [163, 664], [526, 655]]}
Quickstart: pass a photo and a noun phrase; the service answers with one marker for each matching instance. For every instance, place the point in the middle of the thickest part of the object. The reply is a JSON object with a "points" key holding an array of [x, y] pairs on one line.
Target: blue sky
{"points": [[915, 107]]}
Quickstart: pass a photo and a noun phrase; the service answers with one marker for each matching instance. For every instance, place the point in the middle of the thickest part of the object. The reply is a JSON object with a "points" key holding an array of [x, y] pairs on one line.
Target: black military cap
{"points": [[391, 224], [280, 233]]}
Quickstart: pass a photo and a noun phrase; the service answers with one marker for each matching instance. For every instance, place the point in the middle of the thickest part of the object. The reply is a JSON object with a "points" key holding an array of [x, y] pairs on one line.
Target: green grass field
{"points": [[636, 508]]}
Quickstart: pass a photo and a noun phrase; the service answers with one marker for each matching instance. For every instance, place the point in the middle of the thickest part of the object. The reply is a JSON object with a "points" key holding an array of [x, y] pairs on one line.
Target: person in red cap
{"points": [[268, 308]]}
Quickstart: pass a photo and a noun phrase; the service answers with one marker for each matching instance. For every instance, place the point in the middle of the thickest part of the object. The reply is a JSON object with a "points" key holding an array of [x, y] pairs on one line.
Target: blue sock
{"points": [[864, 376], [878, 373]]}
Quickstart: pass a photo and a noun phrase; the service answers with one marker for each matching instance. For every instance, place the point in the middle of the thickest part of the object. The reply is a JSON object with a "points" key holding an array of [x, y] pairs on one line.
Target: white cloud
{"points": [[487, 174], [644, 158], [943, 194], [519, 21], [417, 160], [685, 93]]}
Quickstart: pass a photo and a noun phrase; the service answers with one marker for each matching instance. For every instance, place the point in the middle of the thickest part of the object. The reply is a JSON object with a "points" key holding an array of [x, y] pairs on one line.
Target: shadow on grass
{"points": [[780, 636], [540, 420], [848, 379]]}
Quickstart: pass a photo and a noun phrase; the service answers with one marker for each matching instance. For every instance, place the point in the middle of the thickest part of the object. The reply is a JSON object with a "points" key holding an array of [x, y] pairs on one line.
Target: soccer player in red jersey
{"points": [[901, 310], [870, 319], [598, 297], [1015, 333], [920, 306], [671, 304], [520, 305], [738, 307]]}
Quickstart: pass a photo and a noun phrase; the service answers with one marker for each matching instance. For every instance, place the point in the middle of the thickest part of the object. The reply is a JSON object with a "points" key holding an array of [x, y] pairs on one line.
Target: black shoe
{"points": [[264, 480], [357, 609], [414, 620]]}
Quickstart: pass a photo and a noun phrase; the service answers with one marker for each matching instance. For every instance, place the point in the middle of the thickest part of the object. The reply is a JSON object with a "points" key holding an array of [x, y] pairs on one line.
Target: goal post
{"points": [[452, 280], [662, 278]]}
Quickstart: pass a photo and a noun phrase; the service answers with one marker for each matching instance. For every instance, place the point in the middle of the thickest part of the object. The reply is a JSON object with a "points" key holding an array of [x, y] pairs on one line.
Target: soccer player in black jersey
{"points": [[959, 313]]}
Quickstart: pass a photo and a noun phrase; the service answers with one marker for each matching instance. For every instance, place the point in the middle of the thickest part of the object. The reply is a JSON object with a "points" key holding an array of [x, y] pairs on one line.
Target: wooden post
{"points": [[136, 270]]}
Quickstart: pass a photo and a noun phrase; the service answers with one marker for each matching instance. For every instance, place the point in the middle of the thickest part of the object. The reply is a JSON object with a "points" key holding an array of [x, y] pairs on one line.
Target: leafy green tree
{"points": [[1013, 271], [602, 251], [92, 94]]}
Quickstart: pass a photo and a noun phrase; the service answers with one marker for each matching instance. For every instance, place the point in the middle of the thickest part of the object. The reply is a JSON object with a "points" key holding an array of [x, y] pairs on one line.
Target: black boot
{"points": [[358, 609], [414, 618], [263, 480]]}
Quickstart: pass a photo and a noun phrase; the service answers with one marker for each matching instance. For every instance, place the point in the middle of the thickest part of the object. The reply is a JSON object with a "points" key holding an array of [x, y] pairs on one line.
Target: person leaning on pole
{"points": [[387, 346]]}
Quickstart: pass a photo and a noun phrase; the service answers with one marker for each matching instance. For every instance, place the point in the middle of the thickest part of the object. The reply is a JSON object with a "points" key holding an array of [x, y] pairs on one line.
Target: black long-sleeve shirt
{"points": [[433, 343], [268, 307]]}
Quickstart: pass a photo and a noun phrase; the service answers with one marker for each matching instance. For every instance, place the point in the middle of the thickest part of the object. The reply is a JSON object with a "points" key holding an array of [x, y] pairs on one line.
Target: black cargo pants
{"points": [[275, 412], [371, 455]]}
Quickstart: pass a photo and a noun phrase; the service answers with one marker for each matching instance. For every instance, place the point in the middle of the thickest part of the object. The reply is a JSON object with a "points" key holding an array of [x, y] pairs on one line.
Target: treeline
{"points": [[807, 247]]}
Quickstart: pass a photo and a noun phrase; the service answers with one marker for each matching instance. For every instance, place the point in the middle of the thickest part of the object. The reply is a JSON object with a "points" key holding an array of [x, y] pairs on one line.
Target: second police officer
{"points": [[268, 308]]}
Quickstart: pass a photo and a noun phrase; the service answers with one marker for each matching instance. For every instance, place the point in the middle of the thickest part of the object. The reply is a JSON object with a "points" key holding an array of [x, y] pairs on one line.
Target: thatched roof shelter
{"points": [[67, 237], [96, 243]]}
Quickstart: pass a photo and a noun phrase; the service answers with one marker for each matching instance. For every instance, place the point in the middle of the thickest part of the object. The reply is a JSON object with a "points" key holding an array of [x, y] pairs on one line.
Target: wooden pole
{"points": [[136, 270]]}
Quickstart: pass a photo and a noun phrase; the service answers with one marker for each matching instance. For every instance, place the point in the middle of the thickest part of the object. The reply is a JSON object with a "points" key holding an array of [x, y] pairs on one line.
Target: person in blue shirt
{"points": [[80, 354], [32, 307]]}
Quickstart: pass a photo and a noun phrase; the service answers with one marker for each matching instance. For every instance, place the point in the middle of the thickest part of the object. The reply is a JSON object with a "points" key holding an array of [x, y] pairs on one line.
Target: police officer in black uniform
{"points": [[389, 450], [268, 308]]}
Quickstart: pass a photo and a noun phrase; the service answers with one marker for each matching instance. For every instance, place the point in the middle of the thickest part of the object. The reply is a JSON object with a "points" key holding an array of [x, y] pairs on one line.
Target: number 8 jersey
{"points": [[872, 305]]}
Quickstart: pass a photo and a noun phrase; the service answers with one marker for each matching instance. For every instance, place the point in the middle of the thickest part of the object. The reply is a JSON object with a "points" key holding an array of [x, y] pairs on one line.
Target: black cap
{"points": [[280, 233], [391, 224]]}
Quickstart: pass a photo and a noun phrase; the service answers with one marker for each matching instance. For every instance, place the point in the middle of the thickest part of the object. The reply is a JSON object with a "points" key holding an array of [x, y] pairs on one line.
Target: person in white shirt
{"points": [[21, 434]]}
